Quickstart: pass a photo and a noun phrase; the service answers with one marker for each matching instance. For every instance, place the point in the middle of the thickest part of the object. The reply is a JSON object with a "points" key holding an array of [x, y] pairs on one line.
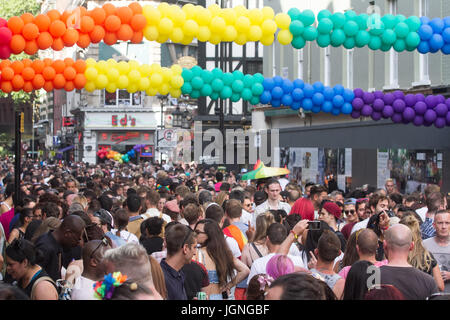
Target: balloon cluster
{"points": [[301, 27], [400, 108], [153, 79], [47, 74], [434, 35], [121, 158], [212, 24], [224, 85], [316, 98], [138, 147], [28, 33]]}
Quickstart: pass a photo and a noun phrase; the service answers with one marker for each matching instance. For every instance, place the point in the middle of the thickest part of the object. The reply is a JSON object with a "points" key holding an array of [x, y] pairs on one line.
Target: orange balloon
{"points": [[38, 82], [27, 17], [109, 8], [97, 34], [125, 14], [42, 21], [57, 28], [58, 44], [17, 66], [59, 66], [137, 37], [38, 66], [44, 40], [28, 86], [48, 62], [136, 7], [17, 82], [54, 15], [87, 24], [15, 24], [28, 73], [69, 62], [31, 47], [69, 86], [17, 44], [138, 22], [83, 11], [4, 63], [80, 81], [125, 33], [69, 73], [80, 66], [110, 38], [84, 40], [30, 31], [6, 86], [65, 15], [70, 37], [26, 62], [7, 73], [48, 86], [59, 81], [99, 15], [48, 73], [112, 23]]}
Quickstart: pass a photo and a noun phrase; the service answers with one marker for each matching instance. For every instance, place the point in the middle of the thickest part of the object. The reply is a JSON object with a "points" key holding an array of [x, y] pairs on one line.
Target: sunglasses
{"points": [[349, 211], [103, 242]]}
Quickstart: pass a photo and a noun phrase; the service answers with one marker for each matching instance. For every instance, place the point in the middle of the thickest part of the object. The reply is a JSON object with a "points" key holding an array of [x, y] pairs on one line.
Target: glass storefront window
{"points": [[122, 97]]}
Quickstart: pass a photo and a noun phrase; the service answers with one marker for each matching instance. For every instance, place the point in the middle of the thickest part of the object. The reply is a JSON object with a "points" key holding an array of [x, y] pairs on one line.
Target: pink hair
{"points": [[279, 265]]}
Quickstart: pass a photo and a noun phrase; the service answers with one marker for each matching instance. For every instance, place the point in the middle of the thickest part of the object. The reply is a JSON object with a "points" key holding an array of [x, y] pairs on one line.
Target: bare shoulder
{"points": [[45, 290]]}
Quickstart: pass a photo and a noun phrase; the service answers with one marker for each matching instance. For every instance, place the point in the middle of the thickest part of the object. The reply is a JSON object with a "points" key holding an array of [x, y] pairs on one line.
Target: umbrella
{"points": [[263, 172]]}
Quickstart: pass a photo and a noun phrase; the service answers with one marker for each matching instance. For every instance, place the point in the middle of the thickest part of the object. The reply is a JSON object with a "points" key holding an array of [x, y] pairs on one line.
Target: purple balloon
{"points": [[447, 118], [405, 121], [409, 114], [420, 107], [441, 110], [431, 101], [387, 112], [410, 100], [356, 114], [397, 118], [376, 115], [378, 105], [418, 121], [440, 123], [368, 97], [378, 94], [430, 116], [440, 98], [358, 104], [420, 97], [366, 110], [399, 105], [388, 98], [359, 93], [399, 95], [447, 102]]}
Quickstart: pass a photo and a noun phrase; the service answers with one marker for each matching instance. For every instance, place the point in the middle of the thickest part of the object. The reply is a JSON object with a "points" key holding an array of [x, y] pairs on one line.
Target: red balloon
{"points": [[5, 35]]}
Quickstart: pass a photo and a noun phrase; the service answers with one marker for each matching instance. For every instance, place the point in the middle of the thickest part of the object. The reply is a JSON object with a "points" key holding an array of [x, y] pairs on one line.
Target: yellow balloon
{"points": [[155, 68], [102, 66], [256, 16], [144, 83], [120, 161], [151, 33], [162, 38], [123, 67], [230, 34], [268, 13], [269, 27], [187, 40], [165, 26], [283, 21], [156, 80], [241, 39], [90, 86], [177, 35], [229, 15], [151, 14], [176, 69], [284, 37], [267, 39], [204, 17], [151, 92], [254, 33], [132, 88], [189, 10], [175, 93], [215, 9], [122, 82], [167, 74], [111, 87], [113, 74], [145, 70], [217, 25], [241, 10], [215, 39], [111, 63], [91, 73], [203, 34], [134, 76], [177, 82], [134, 64], [164, 89], [242, 24], [101, 82], [90, 62], [177, 15], [164, 8], [190, 28]]}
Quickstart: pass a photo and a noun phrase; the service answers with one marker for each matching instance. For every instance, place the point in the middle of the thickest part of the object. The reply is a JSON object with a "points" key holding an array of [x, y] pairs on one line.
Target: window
{"points": [[122, 97]]}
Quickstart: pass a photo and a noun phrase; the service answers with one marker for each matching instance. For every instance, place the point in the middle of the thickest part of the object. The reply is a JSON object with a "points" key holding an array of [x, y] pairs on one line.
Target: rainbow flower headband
{"points": [[103, 290], [158, 186]]}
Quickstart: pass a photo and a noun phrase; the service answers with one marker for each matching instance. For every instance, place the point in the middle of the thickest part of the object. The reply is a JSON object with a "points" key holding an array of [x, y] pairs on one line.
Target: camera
{"points": [[314, 225]]}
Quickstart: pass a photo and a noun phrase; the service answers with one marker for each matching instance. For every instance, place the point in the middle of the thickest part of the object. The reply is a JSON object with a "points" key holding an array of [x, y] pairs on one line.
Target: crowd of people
{"points": [[149, 231]]}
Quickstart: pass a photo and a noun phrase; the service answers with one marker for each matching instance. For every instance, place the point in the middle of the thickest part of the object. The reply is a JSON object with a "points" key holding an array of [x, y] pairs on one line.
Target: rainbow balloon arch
{"points": [[214, 25]]}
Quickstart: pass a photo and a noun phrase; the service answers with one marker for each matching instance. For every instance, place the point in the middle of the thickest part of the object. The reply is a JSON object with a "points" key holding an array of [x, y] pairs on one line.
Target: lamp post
{"points": [[163, 100]]}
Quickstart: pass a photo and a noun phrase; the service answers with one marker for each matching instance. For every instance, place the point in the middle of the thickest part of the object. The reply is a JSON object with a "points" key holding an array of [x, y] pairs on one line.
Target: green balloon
{"points": [[323, 14], [325, 26], [385, 47], [400, 45], [402, 30], [337, 37], [226, 93], [206, 90], [217, 85], [351, 28], [298, 42], [310, 33], [296, 28], [227, 79], [257, 89], [214, 96], [389, 37], [294, 13], [412, 40], [375, 25], [350, 15], [247, 94], [361, 20], [238, 75], [254, 101], [411, 49], [248, 81], [196, 71], [375, 43], [235, 97], [338, 19], [349, 43], [217, 73], [186, 88], [197, 83], [187, 75], [207, 76], [195, 94], [323, 40], [307, 17], [238, 86], [362, 38], [413, 23], [258, 77], [399, 18], [389, 21]]}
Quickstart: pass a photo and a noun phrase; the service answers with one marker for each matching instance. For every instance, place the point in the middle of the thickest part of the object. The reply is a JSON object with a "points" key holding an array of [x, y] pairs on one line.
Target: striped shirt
{"points": [[427, 229]]}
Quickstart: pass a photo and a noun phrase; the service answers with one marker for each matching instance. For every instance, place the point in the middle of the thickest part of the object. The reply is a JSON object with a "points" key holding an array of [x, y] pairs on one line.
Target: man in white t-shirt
{"points": [[151, 201], [273, 202], [276, 234]]}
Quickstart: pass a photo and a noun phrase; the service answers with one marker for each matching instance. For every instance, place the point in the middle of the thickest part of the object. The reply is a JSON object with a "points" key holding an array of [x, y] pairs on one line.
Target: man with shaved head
{"points": [[413, 283]]}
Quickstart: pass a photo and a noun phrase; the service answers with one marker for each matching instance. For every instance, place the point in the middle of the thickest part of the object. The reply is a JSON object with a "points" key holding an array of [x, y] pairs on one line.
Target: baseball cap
{"points": [[105, 217]]}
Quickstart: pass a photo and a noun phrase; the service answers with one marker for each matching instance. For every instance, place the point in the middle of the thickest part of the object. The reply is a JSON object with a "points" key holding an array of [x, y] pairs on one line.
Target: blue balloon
{"points": [[298, 83], [287, 100], [348, 95], [446, 49], [288, 86], [307, 104], [423, 47], [318, 86], [437, 24], [297, 94], [318, 99], [339, 89], [265, 97], [338, 101], [327, 106], [308, 90], [277, 93], [446, 35], [328, 93], [276, 103], [316, 109], [268, 84], [278, 81], [296, 105], [347, 108], [336, 111], [425, 20], [433, 49], [425, 32], [436, 42], [447, 22]]}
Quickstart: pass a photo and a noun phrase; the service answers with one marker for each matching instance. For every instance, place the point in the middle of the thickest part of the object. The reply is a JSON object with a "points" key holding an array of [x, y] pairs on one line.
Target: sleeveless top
{"points": [[330, 279], [41, 273]]}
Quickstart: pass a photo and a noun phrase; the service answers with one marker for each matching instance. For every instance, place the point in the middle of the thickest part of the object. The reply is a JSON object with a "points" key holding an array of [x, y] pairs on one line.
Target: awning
{"points": [[65, 149]]}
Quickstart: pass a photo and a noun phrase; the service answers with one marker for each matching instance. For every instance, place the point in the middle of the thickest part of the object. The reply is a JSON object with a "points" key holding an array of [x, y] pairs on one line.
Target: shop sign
{"points": [[125, 121]]}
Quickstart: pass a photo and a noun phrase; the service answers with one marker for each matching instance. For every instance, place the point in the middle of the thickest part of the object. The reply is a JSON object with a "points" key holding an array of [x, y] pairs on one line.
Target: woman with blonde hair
{"points": [[221, 197], [419, 257], [82, 201]]}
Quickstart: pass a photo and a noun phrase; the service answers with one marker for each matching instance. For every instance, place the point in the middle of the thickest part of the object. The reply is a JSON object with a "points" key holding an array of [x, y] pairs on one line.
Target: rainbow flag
{"points": [[236, 233]]}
